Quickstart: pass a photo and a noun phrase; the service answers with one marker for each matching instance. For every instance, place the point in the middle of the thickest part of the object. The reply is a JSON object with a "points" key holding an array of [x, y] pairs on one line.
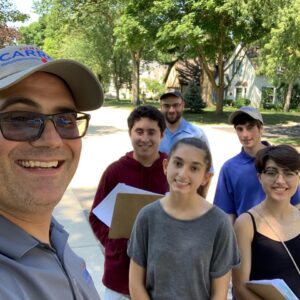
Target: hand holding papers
{"points": [[130, 201], [273, 289]]}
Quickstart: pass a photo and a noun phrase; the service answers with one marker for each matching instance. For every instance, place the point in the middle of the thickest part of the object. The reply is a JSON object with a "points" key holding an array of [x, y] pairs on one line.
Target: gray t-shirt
{"points": [[31, 270], [181, 257]]}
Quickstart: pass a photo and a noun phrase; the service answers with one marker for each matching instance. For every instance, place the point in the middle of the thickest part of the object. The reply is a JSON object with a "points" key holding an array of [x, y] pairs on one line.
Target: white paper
{"points": [[104, 210], [280, 285]]}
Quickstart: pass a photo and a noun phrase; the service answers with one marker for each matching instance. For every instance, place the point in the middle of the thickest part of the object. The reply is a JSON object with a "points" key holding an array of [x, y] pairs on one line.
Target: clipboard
{"points": [[273, 289], [126, 208]]}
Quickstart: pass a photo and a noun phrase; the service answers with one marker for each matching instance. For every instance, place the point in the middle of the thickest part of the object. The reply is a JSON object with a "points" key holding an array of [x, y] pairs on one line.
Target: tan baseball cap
{"points": [[249, 110], [19, 62]]}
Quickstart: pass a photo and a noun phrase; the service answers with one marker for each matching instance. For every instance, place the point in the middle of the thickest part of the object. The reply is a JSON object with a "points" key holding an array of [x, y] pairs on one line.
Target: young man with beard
{"points": [[172, 107], [238, 188], [141, 168], [41, 127]]}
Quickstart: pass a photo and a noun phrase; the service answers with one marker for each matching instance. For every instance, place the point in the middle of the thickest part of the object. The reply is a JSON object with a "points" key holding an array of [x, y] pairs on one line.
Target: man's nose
{"points": [[145, 137], [49, 137], [172, 108]]}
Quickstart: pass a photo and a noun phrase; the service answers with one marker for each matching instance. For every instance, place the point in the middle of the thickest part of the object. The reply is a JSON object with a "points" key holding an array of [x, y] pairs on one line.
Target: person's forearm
{"points": [[245, 294], [139, 293], [100, 229]]}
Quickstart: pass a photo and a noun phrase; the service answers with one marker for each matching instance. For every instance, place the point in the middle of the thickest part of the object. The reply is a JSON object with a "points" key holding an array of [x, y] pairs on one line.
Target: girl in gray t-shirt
{"points": [[181, 246]]}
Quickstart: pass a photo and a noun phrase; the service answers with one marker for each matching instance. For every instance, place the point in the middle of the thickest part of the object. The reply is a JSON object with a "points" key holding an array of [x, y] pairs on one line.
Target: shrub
{"points": [[192, 97], [241, 102], [228, 102]]}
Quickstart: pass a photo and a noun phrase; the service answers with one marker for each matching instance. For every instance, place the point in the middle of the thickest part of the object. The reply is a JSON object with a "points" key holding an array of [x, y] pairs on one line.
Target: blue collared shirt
{"points": [[185, 130]]}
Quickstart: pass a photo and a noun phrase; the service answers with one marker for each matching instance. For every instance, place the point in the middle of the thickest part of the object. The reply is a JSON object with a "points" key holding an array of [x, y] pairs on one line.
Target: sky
{"points": [[24, 6]]}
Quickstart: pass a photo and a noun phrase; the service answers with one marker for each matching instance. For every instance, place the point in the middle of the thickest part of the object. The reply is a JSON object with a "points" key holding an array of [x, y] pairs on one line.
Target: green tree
{"points": [[280, 56], [131, 34], [83, 30], [192, 97], [8, 13], [34, 33], [209, 30], [154, 86]]}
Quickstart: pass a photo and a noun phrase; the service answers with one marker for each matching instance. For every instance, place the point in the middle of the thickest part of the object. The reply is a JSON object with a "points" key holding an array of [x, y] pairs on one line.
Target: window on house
{"points": [[238, 67], [267, 96], [238, 93]]}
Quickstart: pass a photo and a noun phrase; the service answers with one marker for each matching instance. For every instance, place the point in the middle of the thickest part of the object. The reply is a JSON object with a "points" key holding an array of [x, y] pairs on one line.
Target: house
{"points": [[181, 72], [242, 80]]}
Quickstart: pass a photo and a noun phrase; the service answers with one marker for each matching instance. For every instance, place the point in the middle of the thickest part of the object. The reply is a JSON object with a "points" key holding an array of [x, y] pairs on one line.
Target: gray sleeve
{"points": [[138, 242], [225, 253]]}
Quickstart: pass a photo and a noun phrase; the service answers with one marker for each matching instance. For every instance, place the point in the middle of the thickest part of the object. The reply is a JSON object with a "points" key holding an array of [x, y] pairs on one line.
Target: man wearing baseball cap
{"points": [[41, 126], [172, 107], [238, 188]]}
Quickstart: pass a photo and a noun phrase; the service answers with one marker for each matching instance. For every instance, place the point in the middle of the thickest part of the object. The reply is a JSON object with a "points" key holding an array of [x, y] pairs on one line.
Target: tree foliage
{"points": [[113, 36], [131, 34], [208, 30], [8, 13], [280, 55], [82, 30], [192, 97]]}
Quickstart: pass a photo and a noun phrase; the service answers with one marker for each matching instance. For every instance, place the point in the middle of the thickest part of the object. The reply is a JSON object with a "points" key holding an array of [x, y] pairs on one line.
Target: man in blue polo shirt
{"points": [[172, 107], [238, 188]]}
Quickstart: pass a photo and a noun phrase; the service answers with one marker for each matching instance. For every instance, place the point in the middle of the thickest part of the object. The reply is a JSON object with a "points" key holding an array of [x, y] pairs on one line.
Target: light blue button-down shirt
{"points": [[185, 130]]}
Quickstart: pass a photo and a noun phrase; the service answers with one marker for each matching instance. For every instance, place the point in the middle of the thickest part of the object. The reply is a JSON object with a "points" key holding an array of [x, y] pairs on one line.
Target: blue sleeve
{"points": [[296, 198], [224, 198]]}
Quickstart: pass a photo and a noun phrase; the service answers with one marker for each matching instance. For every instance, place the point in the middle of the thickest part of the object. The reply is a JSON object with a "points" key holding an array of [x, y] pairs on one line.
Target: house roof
{"points": [[182, 72]]}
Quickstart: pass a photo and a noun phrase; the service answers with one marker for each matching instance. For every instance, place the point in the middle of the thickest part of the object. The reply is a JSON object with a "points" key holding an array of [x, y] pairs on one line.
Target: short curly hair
{"points": [[146, 111]]}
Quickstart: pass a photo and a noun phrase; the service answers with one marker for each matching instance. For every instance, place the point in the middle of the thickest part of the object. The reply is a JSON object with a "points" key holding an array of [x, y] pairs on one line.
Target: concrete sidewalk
{"points": [[107, 140], [72, 216]]}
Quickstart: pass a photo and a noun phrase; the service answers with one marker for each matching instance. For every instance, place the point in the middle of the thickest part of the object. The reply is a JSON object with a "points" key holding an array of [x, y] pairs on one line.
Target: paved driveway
{"points": [[107, 139]]}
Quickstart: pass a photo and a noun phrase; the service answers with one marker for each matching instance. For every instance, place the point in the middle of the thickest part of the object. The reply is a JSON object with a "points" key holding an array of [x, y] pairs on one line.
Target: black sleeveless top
{"points": [[270, 260]]}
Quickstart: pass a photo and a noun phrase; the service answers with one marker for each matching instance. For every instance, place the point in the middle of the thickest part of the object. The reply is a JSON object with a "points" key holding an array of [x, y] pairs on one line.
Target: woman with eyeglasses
{"points": [[269, 234]]}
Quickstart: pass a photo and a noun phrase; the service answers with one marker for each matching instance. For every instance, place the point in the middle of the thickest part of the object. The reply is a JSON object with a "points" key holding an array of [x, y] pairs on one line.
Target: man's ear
{"points": [[165, 166], [261, 130]]}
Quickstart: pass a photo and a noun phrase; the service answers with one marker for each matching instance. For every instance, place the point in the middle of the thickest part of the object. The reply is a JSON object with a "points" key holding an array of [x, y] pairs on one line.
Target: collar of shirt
{"points": [[15, 242]]}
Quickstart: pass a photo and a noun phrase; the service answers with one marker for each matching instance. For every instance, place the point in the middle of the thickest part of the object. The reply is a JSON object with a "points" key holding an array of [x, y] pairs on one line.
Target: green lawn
{"points": [[208, 116]]}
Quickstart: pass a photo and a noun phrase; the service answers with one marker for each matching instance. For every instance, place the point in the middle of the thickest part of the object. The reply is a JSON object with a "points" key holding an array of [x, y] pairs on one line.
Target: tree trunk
{"points": [[288, 97], [135, 78], [221, 87], [207, 90], [116, 79]]}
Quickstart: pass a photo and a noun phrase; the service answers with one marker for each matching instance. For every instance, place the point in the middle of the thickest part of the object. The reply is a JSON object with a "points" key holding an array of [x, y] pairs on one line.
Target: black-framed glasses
{"points": [[167, 106], [24, 126], [273, 173]]}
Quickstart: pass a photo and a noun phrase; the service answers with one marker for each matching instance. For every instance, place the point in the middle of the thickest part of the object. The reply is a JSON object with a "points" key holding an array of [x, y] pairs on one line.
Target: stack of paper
{"points": [[273, 289], [119, 208]]}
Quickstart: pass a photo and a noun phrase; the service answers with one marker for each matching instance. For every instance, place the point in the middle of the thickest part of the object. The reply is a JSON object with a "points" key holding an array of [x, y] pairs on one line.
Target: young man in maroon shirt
{"points": [[141, 168]]}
